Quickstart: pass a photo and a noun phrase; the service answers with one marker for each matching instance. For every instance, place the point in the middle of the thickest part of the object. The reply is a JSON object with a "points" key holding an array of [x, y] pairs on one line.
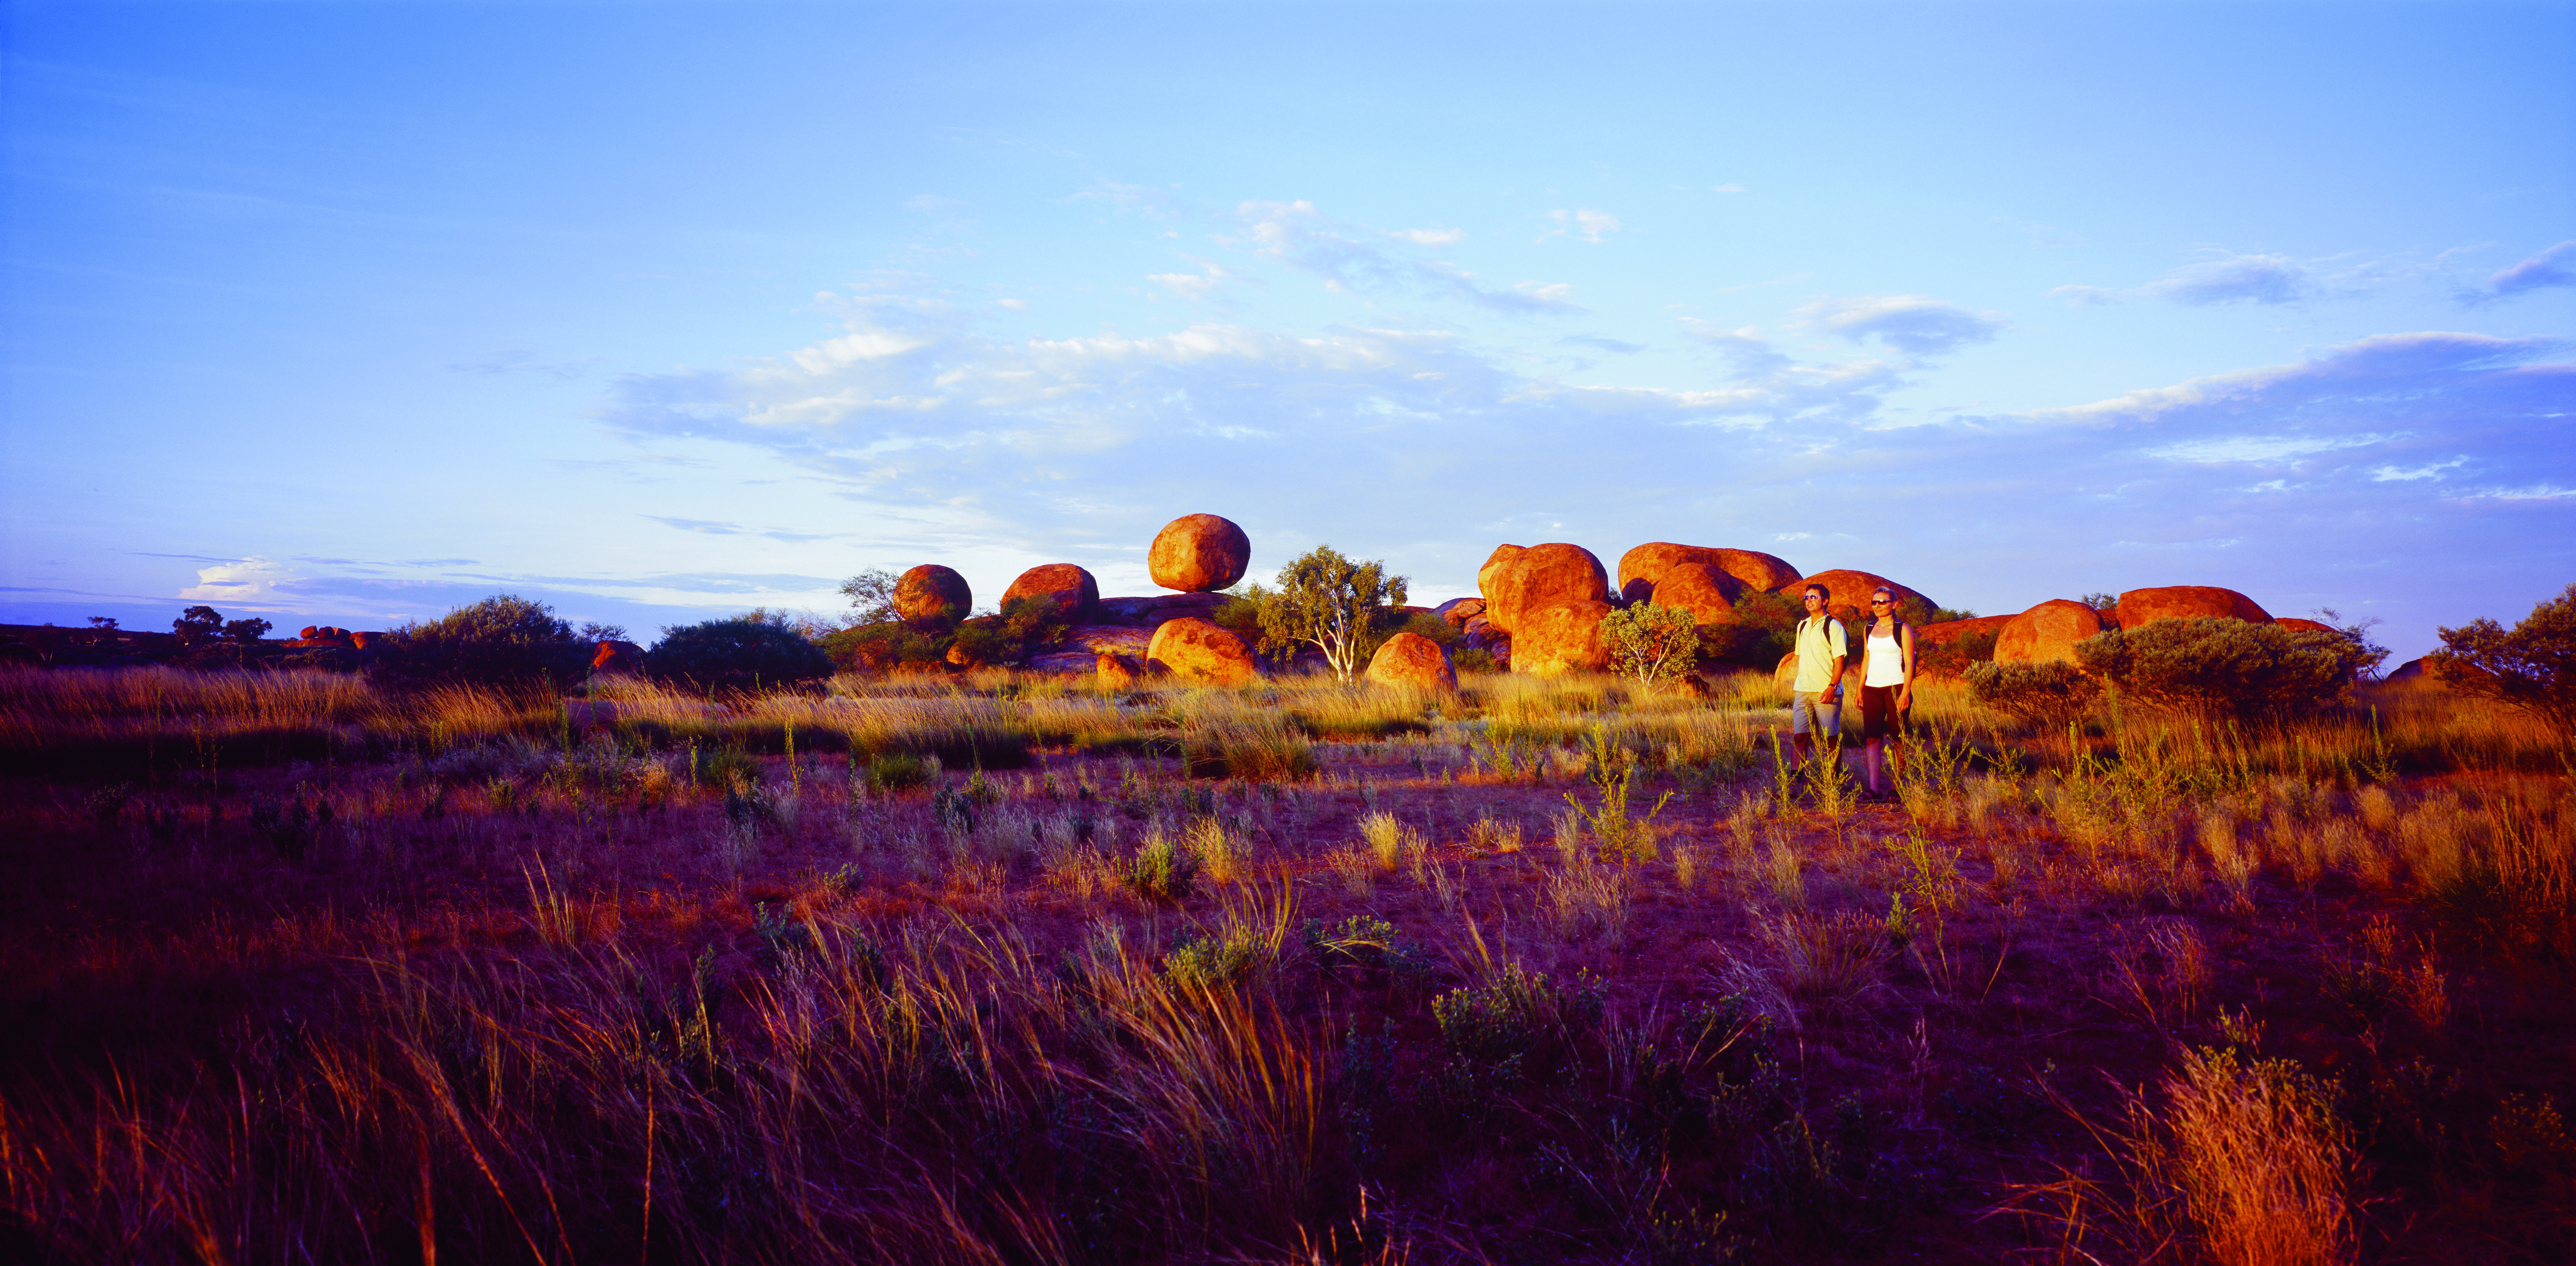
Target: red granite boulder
{"points": [[1198, 650], [1708, 592], [1850, 593], [2305, 626], [1413, 662], [1541, 576], [1561, 637], [614, 657], [2046, 633], [1486, 575], [1757, 570], [1199, 553], [932, 594], [2140, 607], [1068, 589]]}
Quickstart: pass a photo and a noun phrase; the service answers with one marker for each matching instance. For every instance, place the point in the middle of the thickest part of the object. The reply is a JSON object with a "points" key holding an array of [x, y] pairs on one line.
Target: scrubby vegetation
{"points": [[988, 967]]}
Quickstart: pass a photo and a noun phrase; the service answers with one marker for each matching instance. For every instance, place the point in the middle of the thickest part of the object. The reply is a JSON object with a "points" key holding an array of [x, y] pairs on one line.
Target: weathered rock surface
{"points": [[1118, 672], [2140, 607], [1493, 567], [1541, 576], [2044, 634], [310, 632], [1068, 589], [1199, 553], [2411, 670], [1148, 610], [1851, 590], [615, 657], [1708, 592], [1786, 671], [1072, 662], [1460, 610], [1413, 662], [932, 594], [1195, 649], [1561, 637], [1107, 639], [1692, 686], [1754, 568], [2304, 626]]}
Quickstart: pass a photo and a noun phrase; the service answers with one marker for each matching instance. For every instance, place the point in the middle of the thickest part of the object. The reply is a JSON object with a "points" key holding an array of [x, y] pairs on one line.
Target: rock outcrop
{"points": [[1851, 590], [1199, 553], [1755, 569], [2044, 634], [1542, 576], [1707, 591], [617, 657], [1063, 662], [1413, 662], [1069, 591], [1493, 567], [1118, 672], [1107, 639], [932, 595], [2141, 607], [1458, 611], [1152, 609], [2305, 626], [1197, 650], [1561, 637]]}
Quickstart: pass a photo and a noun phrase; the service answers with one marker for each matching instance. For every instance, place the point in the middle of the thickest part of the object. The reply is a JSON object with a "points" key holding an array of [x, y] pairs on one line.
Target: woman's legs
{"points": [[1876, 782]]}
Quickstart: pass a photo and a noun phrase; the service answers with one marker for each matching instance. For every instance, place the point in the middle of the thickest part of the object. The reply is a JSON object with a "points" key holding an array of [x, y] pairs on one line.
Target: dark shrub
{"points": [[504, 638], [2214, 666], [2532, 667], [2043, 694], [884, 647], [736, 654]]}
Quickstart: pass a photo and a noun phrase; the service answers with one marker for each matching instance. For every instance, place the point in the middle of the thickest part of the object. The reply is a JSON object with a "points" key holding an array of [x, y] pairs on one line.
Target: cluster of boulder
{"points": [[325, 636]]}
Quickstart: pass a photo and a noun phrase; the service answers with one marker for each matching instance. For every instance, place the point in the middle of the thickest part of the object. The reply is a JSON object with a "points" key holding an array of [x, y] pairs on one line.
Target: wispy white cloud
{"points": [[1591, 226], [2269, 279], [1298, 235], [1912, 324], [2553, 267], [1429, 237]]}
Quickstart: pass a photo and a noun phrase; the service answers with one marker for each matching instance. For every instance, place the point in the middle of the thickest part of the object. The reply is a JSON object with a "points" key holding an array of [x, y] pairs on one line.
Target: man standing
{"points": [[1816, 698]]}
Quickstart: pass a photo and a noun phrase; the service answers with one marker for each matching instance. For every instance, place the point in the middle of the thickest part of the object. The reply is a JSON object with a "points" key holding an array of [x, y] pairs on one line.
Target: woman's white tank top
{"points": [[1885, 665]]}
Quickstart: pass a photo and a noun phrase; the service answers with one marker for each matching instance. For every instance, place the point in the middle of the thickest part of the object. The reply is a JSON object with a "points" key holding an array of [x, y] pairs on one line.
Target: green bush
{"points": [[897, 771], [2533, 667], [503, 638], [736, 654], [2213, 666], [1650, 644], [2048, 694]]}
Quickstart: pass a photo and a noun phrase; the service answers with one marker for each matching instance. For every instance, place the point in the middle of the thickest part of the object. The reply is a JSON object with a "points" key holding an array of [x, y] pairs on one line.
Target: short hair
{"points": [[1820, 591]]}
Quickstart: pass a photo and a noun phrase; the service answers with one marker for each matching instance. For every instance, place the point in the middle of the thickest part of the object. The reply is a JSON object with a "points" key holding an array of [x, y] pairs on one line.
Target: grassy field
{"points": [[993, 969]]}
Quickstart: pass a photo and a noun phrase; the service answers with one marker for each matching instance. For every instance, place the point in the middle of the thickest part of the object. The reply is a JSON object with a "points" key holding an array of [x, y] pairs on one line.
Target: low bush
{"points": [[2532, 667], [501, 639], [2048, 694], [2217, 667], [736, 654]]}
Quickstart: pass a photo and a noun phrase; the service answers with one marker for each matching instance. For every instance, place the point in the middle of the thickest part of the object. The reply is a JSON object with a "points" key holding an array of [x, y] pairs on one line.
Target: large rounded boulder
{"points": [[1199, 553], [2044, 634], [1561, 637], [1850, 592], [1069, 591], [1197, 650], [1489, 574], [1707, 592], [1755, 569], [932, 594], [1411, 661], [1541, 576], [2141, 607]]}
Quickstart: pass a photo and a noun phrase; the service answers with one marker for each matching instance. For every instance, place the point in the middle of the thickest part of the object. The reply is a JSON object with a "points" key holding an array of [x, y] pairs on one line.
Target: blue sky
{"points": [[347, 313]]}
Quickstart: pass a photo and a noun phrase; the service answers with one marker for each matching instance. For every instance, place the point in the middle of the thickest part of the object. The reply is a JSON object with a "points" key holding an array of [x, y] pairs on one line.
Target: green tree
{"points": [[871, 595], [1331, 603], [196, 624], [736, 654], [247, 631], [1652, 644], [2531, 667], [502, 638]]}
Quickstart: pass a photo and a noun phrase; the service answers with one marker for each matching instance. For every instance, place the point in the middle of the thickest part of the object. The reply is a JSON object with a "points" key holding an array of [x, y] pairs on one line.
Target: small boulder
{"points": [[1069, 589], [1493, 567], [2411, 670], [1561, 637], [1195, 649], [1414, 662], [1757, 570], [2305, 626], [1459, 610], [2046, 633], [365, 638], [932, 594], [1199, 553], [1703, 589], [1850, 593], [1785, 673], [1541, 576], [1117, 672], [611, 657], [2141, 607], [1692, 686], [310, 632]]}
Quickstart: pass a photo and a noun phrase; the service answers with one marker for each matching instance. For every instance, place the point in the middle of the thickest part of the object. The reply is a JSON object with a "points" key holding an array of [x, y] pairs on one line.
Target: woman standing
{"points": [[1886, 688]]}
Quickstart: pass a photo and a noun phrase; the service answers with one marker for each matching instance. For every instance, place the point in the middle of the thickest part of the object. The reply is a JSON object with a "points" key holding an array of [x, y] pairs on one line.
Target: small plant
{"points": [[1162, 871], [1207, 962], [1388, 840], [1612, 768], [1651, 645], [897, 771]]}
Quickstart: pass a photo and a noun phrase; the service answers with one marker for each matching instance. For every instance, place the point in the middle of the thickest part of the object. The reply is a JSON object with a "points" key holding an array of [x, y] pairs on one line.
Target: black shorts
{"points": [[1879, 715]]}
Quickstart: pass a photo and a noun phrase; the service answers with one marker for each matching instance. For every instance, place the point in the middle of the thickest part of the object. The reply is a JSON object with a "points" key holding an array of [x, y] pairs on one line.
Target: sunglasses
{"points": [[1879, 602]]}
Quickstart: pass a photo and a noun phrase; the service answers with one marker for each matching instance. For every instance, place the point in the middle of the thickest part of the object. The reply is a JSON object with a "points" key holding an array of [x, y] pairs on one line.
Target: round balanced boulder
{"points": [[2046, 633], [1561, 637], [1757, 570], [1494, 563], [1541, 576], [2139, 607], [1851, 590], [932, 594], [1070, 591], [1199, 553], [1413, 662], [1198, 650], [1708, 593]]}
